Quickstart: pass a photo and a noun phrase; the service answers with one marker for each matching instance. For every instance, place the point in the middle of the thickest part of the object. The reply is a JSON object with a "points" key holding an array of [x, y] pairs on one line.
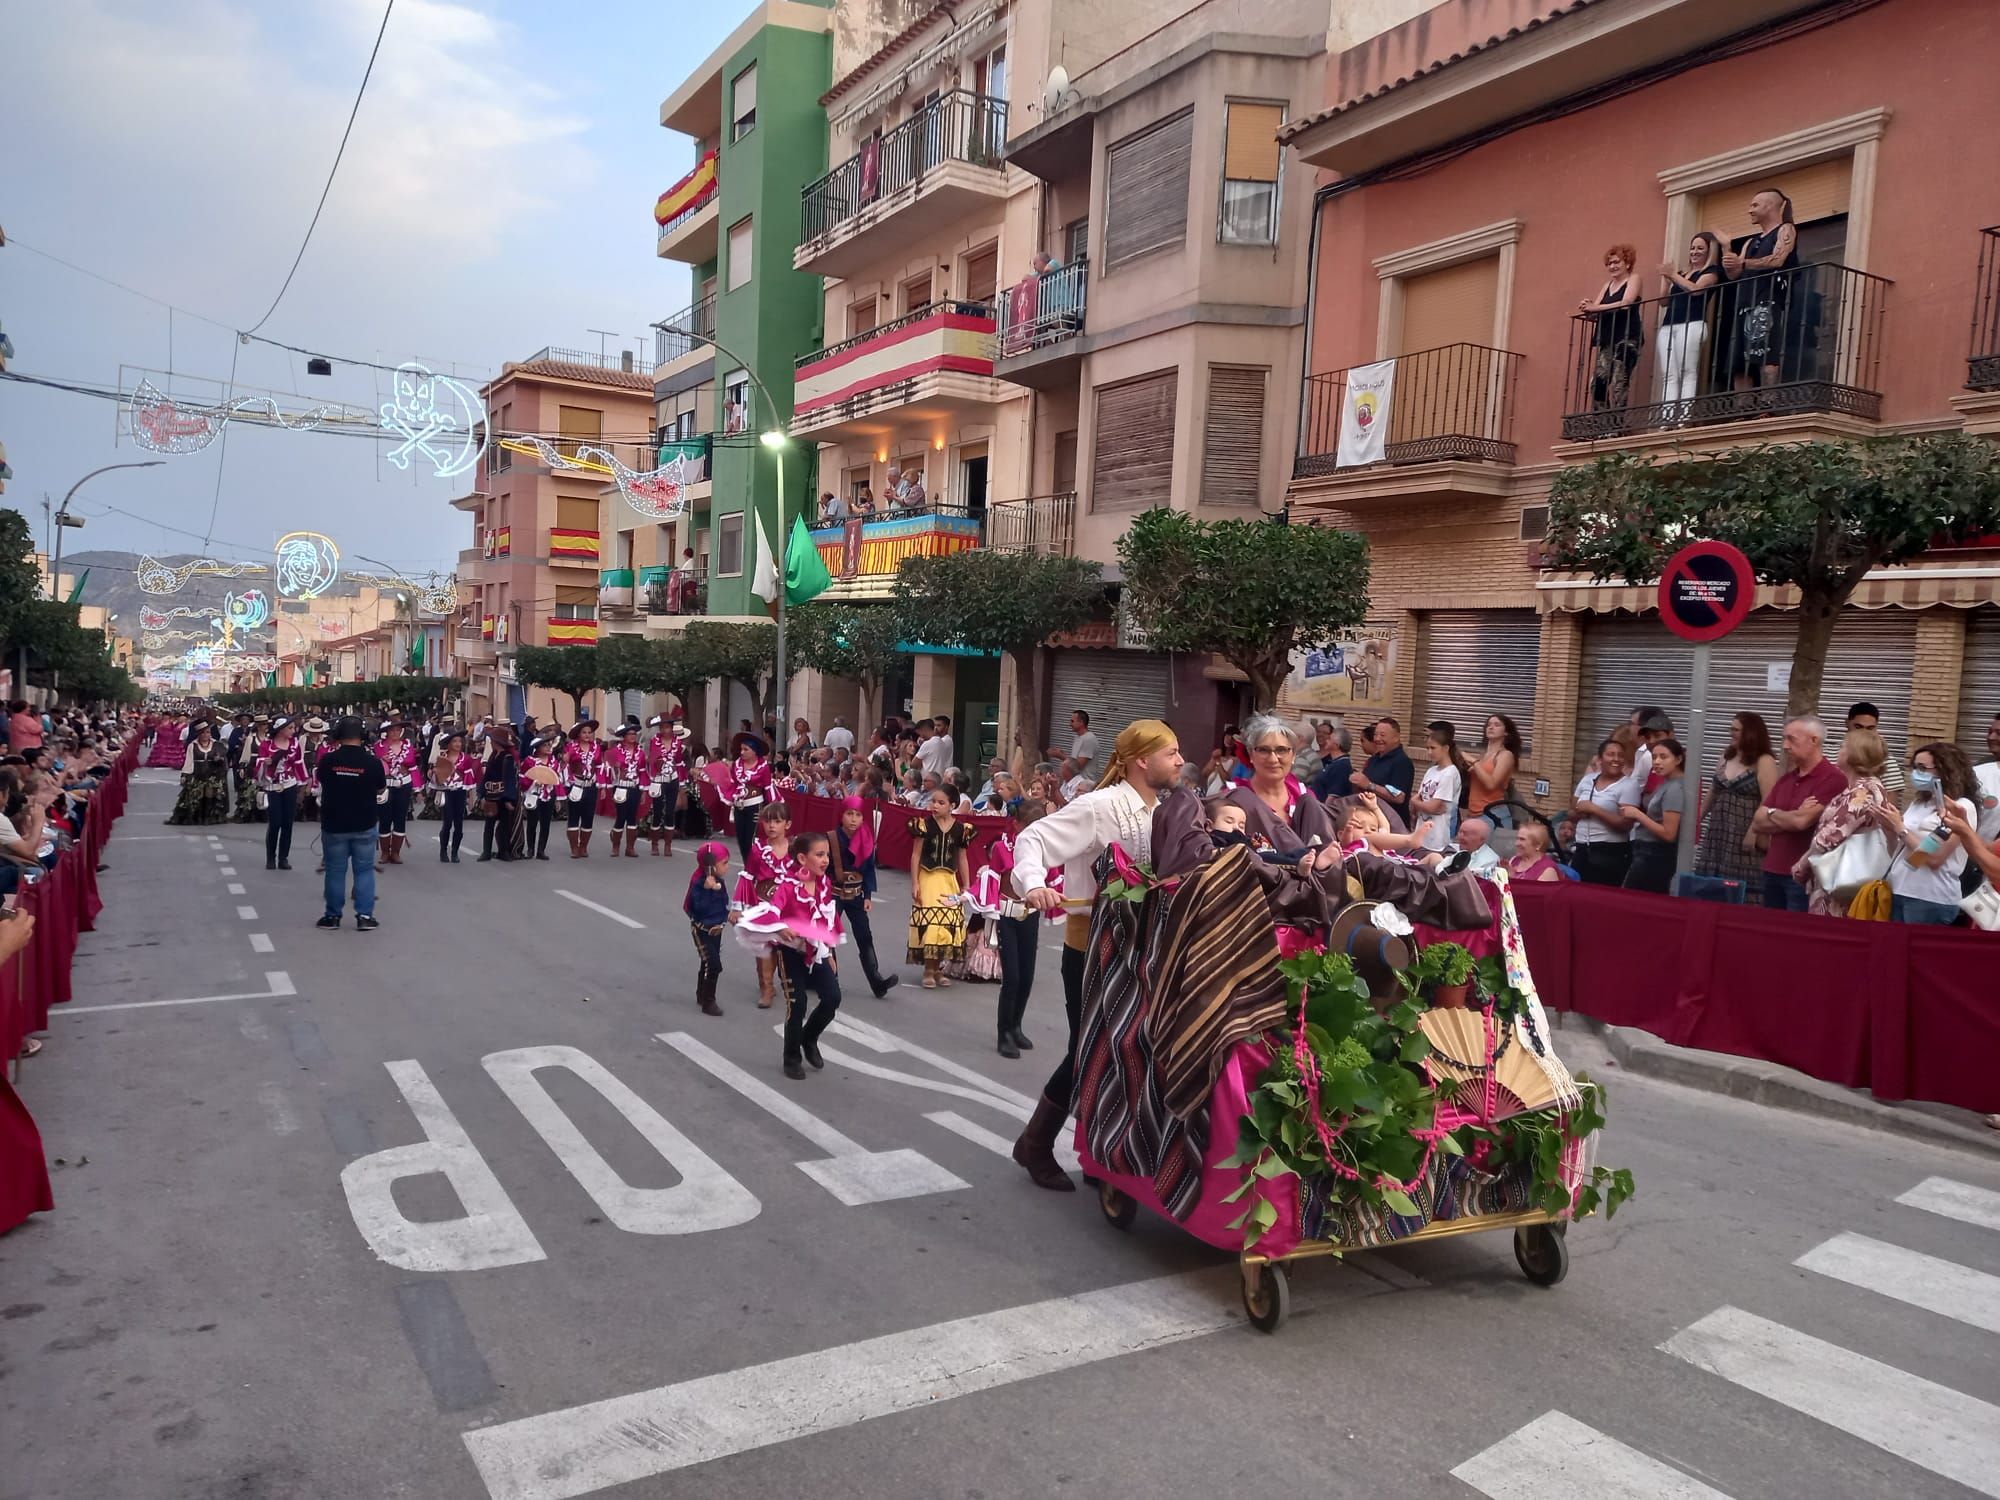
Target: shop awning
{"points": [[1921, 586]]}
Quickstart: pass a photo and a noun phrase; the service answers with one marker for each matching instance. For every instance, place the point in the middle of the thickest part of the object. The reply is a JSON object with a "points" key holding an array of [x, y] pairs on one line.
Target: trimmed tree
{"points": [[745, 653], [859, 642], [1008, 602], [1815, 516], [570, 670], [1252, 592]]}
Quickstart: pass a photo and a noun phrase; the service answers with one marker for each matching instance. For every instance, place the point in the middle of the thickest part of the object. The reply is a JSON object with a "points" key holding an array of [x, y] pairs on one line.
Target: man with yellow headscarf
{"points": [[1145, 762]]}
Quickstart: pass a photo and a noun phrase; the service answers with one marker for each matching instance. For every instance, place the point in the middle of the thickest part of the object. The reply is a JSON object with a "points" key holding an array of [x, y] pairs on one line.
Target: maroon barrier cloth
{"points": [[1906, 1012], [893, 847], [64, 903]]}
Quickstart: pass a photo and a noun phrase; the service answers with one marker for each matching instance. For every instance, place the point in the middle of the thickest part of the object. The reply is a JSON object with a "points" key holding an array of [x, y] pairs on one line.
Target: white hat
{"points": [[656, 721]]}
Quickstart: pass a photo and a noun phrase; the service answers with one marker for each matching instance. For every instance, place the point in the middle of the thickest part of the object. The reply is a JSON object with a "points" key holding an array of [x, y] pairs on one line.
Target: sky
{"points": [[496, 197]]}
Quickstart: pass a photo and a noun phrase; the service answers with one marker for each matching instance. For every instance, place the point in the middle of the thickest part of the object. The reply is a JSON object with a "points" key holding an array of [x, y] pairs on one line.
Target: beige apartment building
{"points": [[1150, 362]]}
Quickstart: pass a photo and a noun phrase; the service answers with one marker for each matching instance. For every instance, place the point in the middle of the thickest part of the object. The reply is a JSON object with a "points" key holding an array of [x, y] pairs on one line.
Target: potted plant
{"points": [[1441, 976]]}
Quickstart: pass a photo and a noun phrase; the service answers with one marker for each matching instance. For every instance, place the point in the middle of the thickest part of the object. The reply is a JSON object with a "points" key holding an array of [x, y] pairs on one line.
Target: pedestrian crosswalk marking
{"points": [[1955, 1200], [1938, 1286], [1930, 1425], [1556, 1457]]}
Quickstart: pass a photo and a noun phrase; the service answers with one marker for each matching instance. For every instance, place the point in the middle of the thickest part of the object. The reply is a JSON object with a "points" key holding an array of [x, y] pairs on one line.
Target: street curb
{"points": [[1765, 1083]]}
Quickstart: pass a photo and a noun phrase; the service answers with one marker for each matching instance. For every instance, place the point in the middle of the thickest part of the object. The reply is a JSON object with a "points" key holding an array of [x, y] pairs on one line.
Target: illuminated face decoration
{"points": [[306, 565]]}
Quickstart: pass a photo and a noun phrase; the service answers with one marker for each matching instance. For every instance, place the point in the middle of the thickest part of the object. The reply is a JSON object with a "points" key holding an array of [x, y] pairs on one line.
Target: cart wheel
{"points": [[1543, 1253], [1267, 1299], [1119, 1209]]}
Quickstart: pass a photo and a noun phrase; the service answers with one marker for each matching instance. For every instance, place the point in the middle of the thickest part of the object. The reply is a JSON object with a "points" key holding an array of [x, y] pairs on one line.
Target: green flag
{"points": [[76, 590], [417, 653], [806, 576]]}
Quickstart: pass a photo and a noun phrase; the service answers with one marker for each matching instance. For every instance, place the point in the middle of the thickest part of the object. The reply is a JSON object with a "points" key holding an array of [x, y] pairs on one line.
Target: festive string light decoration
{"points": [[155, 577], [167, 426], [247, 610], [159, 619], [657, 494], [438, 418], [307, 563]]}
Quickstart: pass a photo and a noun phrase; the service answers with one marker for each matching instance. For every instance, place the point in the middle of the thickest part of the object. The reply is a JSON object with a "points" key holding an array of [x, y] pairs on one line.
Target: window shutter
{"points": [[583, 423], [1817, 192], [739, 254], [1232, 445], [982, 275], [1132, 457], [1454, 305], [745, 93], [576, 513], [1250, 150], [1146, 196], [575, 593]]}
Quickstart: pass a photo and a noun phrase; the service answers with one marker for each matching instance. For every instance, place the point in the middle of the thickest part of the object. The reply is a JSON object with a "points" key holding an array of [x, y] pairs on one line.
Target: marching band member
{"points": [[539, 799], [406, 774], [582, 761], [278, 772], [625, 764], [800, 923], [853, 876], [745, 783], [500, 791], [768, 862], [707, 906], [667, 772], [455, 775]]}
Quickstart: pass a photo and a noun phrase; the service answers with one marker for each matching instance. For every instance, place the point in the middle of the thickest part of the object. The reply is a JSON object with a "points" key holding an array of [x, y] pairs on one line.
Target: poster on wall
{"points": [[1364, 417], [1353, 673]]}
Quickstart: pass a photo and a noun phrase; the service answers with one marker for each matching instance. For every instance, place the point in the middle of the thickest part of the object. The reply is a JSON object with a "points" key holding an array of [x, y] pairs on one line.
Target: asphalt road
{"points": [[479, 1206]]}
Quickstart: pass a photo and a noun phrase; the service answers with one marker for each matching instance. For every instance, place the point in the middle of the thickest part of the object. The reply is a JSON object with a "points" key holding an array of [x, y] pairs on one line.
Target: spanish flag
{"points": [[572, 632], [689, 191], [578, 544]]}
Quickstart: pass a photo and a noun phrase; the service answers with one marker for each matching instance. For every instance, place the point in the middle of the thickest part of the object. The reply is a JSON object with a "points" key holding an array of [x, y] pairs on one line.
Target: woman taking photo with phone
{"points": [[1929, 857]]}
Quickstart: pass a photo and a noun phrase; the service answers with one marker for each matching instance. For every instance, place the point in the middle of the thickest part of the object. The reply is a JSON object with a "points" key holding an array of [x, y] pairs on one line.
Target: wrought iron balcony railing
{"points": [[957, 126], [1454, 402]]}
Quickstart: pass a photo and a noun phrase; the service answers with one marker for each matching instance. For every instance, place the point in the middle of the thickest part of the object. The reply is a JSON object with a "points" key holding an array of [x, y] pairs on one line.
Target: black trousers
{"points": [[625, 814], [1062, 1082], [746, 830], [395, 814], [708, 951], [1017, 968], [583, 811], [279, 810], [863, 931], [802, 985], [500, 827], [451, 819], [537, 821], [1651, 868], [1603, 864]]}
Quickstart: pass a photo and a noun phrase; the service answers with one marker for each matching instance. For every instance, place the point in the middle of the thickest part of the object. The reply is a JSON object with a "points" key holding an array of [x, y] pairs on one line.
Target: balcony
{"points": [[687, 214], [687, 333], [936, 362], [864, 557], [1799, 343], [1447, 419], [1041, 327], [624, 360], [615, 590], [1044, 525], [1982, 362], [497, 542], [572, 548], [565, 630], [949, 157]]}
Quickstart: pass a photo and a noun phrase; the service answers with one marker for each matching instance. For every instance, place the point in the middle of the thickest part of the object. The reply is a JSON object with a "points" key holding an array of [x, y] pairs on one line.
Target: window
{"points": [[578, 425], [575, 601], [498, 458], [1232, 447], [576, 513], [743, 103], [1250, 174], [1132, 452], [739, 254], [729, 545], [1146, 192], [1454, 305], [916, 293], [982, 275], [861, 317], [1076, 241], [736, 403], [621, 556], [855, 480]]}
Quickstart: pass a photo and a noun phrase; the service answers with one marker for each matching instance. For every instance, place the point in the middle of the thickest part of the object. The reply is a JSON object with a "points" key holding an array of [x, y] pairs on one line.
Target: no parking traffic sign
{"points": [[1706, 591]]}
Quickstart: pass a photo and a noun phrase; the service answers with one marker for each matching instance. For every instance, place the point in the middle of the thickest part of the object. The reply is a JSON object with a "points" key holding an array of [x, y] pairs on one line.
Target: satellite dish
{"points": [[1058, 95]]}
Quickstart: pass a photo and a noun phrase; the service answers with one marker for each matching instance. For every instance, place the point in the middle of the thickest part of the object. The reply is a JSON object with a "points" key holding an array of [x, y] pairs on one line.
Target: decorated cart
{"points": [[1285, 1080]]}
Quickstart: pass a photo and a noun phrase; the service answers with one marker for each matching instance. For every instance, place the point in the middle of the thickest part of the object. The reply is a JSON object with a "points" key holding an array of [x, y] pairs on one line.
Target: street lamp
{"points": [[64, 518]]}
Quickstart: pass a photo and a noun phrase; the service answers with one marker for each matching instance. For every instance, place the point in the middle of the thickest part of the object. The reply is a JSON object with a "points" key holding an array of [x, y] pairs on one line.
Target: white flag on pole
{"points": [[763, 567], [1364, 417]]}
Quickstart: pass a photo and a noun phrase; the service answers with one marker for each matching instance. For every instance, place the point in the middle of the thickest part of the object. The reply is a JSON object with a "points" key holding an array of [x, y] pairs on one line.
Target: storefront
{"points": [[1979, 682], [1471, 664], [1113, 686]]}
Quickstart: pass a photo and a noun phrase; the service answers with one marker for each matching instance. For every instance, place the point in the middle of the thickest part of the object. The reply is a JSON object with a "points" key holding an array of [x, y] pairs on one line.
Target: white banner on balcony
{"points": [[1364, 417]]}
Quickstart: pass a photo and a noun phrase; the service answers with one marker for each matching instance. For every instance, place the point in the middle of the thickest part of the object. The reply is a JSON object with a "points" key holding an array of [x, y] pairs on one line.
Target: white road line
{"points": [[943, 1064], [1556, 1457], [628, 1438], [235, 890], [605, 911], [260, 942], [1940, 1286], [247, 913], [1931, 1425], [1955, 1200], [157, 838], [278, 981], [284, 1119], [998, 1144], [851, 1172], [222, 858]]}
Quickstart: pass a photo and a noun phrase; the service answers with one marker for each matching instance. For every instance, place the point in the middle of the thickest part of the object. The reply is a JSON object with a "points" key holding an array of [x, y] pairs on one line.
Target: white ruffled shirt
{"points": [[1071, 838]]}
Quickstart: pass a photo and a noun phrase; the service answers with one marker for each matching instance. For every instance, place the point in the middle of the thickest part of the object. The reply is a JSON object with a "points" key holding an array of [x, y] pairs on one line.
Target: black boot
{"points": [[1007, 1047], [1035, 1149], [1020, 1039]]}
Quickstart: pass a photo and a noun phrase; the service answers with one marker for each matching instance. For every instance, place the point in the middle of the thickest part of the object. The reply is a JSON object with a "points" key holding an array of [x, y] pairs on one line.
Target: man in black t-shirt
{"points": [[350, 780], [1388, 773]]}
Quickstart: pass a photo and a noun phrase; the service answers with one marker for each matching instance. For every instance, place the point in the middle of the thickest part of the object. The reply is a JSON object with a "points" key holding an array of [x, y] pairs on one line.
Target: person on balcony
{"points": [[908, 491], [1760, 268], [1617, 330], [832, 509], [1683, 330]]}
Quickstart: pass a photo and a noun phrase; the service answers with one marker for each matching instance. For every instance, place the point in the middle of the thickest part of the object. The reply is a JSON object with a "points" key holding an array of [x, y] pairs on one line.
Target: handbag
{"points": [[576, 794], [1852, 863], [1983, 906]]}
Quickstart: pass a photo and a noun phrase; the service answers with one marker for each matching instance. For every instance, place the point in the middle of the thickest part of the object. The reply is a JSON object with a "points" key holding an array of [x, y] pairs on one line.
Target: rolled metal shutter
{"points": [[633, 704], [1146, 189], [1232, 444], [1113, 687], [1979, 686], [1626, 663], [1132, 450], [1476, 662]]}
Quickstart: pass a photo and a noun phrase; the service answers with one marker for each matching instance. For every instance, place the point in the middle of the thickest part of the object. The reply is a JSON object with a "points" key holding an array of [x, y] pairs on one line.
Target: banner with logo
{"points": [[1364, 418]]}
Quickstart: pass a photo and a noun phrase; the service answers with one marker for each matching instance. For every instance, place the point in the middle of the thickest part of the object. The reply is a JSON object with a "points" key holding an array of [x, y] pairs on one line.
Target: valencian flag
{"points": [[76, 592]]}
